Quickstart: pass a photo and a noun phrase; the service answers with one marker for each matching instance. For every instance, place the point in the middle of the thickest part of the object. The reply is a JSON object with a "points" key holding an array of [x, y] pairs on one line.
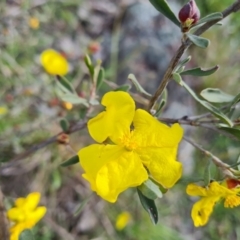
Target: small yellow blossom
{"points": [[211, 194], [25, 214], [33, 23], [54, 63], [122, 220], [139, 144], [67, 105], [3, 110]]}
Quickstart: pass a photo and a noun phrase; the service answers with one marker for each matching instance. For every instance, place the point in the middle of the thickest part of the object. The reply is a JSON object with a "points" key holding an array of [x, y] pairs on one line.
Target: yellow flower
{"points": [[54, 63], [67, 105], [3, 110], [33, 23], [25, 214], [122, 220], [211, 194], [139, 143]]}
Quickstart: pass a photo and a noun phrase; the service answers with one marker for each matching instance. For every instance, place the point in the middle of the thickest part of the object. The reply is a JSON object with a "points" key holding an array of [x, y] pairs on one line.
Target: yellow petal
{"points": [[54, 63], [94, 157], [15, 214], [157, 147], [32, 201], [150, 132], [115, 120], [111, 169], [232, 201], [162, 165], [202, 210], [34, 217], [120, 174], [195, 190]]}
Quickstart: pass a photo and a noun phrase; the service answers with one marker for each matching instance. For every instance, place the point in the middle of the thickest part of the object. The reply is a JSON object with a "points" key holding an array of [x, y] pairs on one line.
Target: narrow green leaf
{"points": [[96, 71], [82, 205], [234, 131], [238, 163], [149, 206], [26, 235], [73, 160], [124, 88], [215, 111], [163, 7], [100, 78], [139, 88], [198, 41], [216, 95], [162, 103], [181, 65], [65, 83], [177, 77], [235, 101], [89, 65], [150, 190], [72, 98], [200, 72], [210, 17], [64, 124]]}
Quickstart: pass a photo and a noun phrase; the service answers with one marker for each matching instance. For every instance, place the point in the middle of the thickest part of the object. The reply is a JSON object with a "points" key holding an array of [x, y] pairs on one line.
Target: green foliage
{"points": [[163, 7], [73, 160], [149, 205]]}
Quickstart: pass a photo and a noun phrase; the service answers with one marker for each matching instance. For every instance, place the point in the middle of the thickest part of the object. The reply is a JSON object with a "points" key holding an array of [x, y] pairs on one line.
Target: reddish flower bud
{"points": [[232, 183], [189, 14]]}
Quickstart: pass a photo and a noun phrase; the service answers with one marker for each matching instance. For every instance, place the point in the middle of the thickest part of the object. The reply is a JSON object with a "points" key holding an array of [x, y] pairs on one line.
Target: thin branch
{"points": [[226, 169], [185, 45], [78, 126]]}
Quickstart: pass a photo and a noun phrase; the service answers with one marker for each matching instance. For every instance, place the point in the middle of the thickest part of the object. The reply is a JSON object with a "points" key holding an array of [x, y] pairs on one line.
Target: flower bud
{"points": [[189, 15]]}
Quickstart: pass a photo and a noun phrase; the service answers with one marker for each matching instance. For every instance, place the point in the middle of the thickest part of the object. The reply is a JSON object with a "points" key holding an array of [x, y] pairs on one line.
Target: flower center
{"points": [[128, 142]]}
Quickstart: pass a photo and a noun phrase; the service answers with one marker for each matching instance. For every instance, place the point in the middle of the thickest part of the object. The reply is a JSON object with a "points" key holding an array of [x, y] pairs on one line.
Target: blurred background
{"points": [[129, 36]]}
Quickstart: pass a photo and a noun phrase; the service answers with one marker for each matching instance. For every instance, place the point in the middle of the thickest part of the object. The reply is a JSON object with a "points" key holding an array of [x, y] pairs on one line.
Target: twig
{"points": [[226, 169], [80, 125], [167, 76]]}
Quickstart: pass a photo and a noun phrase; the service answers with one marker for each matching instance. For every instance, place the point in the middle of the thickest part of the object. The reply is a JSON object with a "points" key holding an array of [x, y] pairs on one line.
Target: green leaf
{"points": [[215, 111], [124, 88], [238, 163], [64, 124], [177, 77], [162, 103], [100, 78], [72, 98], [181, 64], [149, 206], [198, 41], [150, 190], [163, 7], [73, 160], [26, 235], [216, 95], [235, 101], [89, 65], [233, 131], [210, 17], [96, 71], [139, 88], [200, 72], [82, 205], [65, 83]]}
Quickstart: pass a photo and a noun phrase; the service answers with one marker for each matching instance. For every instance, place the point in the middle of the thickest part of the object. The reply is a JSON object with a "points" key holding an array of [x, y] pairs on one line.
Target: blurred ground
{"points": [[132, 38]]}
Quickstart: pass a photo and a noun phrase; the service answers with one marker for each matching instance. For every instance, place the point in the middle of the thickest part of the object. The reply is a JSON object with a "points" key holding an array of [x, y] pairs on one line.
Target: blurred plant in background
{"points": [[58, 58]]}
